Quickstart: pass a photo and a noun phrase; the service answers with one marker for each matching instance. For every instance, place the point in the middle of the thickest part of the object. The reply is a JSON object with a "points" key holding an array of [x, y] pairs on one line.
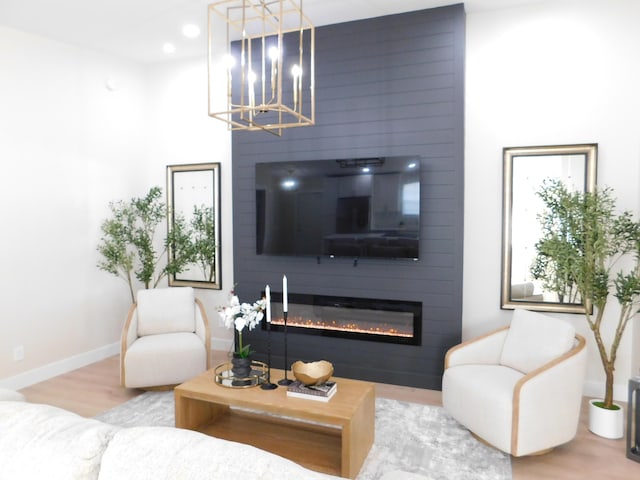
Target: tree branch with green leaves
{"points": [[130, 247], [587, 247]]}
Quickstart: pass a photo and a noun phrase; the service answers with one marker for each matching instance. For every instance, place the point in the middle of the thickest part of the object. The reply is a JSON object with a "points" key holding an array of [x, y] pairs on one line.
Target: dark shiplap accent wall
{"points": [[385, 86]]}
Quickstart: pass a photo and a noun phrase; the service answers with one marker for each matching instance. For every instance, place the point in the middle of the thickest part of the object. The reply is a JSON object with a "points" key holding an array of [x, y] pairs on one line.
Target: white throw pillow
{"points": [[166, 310], [535, 339]]}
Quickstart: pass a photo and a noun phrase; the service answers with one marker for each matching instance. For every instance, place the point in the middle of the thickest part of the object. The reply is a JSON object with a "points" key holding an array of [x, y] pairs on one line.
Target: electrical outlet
{"points": [[18, 353]]}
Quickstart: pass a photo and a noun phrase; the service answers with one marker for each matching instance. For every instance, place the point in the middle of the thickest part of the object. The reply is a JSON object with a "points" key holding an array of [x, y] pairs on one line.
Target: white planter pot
{"points": [[606, 423]]}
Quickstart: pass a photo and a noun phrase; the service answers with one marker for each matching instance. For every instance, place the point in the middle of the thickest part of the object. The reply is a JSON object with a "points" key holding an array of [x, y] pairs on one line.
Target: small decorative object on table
{"points": [[241, 366], [225, 377], [239, 316], [312, 373], [267, 385], [322, 392], [285, 313], [312, 381]]}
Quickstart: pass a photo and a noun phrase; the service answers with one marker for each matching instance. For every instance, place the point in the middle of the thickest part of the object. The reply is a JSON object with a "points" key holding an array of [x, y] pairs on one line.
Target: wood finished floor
{"points": [[93, 389]]}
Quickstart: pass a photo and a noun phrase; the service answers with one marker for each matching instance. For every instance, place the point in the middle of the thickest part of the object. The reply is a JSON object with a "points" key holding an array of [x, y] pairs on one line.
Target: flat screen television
{"points": [[358, 208]]}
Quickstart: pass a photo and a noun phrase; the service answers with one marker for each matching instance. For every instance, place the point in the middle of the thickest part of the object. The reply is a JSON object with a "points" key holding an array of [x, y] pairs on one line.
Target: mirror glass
{"points": [[193, 196], [525, 169]]}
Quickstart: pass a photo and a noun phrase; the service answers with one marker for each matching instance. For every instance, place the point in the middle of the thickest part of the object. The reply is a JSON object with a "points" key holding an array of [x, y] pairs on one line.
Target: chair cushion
{"points": [[480, 397], [534, 340], [166, 310], [167, 359]]}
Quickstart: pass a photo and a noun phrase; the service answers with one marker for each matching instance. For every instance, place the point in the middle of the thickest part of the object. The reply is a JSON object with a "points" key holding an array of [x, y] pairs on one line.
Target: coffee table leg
{"points": [[194, 414], [358, 436]]}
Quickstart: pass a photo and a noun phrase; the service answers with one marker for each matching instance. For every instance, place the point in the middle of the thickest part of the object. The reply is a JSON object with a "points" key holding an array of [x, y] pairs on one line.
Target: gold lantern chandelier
{"points": [[269, 64]]}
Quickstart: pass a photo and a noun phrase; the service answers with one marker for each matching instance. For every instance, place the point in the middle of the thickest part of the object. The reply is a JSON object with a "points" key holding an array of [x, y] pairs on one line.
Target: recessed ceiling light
{"points": [[168, 48], [190, 30]]}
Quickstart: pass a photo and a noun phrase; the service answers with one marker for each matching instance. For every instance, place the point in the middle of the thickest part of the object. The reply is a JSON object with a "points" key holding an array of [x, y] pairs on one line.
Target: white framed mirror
{"points": [[524, 171]]}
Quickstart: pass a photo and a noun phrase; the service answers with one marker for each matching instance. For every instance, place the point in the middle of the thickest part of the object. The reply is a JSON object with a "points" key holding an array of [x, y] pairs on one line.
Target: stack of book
{"points": [[321, 393]]}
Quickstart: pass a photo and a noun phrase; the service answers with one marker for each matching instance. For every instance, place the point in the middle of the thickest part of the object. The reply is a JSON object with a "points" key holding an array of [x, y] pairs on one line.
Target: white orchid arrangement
{"points": [[240, 315]]}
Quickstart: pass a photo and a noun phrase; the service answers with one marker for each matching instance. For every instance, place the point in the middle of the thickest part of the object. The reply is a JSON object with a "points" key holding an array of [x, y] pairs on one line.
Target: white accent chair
{"points": [[165, 339], [519, 388]]}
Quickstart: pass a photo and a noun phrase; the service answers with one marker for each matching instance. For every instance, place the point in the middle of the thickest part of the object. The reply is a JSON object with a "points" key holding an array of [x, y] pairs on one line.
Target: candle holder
{"points": [[285, 380], [267, 385]]}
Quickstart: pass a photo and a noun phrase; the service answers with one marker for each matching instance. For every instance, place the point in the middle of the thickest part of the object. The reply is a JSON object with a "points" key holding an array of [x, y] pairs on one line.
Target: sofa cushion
{"points": [[158, 453], [41, 441], [534, 340], [166, 310], [11, 395]]}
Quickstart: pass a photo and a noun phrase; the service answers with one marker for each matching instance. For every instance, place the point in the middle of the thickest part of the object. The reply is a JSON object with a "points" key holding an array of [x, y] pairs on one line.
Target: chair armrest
{"points": [[481, 350], [203, 330], [128, 336], [547, 402], [130, 329]]}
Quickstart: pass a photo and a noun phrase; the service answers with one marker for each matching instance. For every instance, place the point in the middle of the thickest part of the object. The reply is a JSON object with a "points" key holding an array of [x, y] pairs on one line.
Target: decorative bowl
{"points": [[312, 373]]}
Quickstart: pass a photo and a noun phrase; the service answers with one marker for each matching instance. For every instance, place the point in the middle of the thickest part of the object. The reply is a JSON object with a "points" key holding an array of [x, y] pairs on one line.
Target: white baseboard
{"points": [[54, 369], [596, 390]]}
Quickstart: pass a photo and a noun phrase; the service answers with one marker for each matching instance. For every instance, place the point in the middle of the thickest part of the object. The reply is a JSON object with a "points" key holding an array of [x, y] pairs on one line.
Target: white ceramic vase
{"points": [[606, 423]]}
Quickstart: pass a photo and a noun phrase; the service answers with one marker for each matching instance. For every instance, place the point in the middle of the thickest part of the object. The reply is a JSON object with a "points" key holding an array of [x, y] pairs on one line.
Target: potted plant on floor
{"points": [[598, 253], [130, 241]]}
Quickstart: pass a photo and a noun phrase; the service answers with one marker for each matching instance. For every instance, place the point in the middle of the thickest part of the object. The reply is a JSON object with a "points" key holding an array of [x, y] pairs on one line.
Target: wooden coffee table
{"points": [[331, 437]]}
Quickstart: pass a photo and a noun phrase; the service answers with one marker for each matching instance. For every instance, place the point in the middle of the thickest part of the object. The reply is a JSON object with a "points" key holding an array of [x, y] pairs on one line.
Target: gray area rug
{"points": [[410, 437]]}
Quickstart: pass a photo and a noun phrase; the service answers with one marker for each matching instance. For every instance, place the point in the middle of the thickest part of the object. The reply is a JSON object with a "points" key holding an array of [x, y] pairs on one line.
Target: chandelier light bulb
{"points": [[273, 53], [229, 61]]}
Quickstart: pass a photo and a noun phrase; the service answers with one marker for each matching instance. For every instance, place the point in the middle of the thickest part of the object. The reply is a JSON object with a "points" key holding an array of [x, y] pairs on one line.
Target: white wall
{"points": [[69, 145], [182, 133], [559, 72]]}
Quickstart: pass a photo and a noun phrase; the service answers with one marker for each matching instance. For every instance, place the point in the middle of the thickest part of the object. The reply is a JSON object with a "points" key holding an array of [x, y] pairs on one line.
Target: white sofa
{"points": [[41, 441], [6, 394]]}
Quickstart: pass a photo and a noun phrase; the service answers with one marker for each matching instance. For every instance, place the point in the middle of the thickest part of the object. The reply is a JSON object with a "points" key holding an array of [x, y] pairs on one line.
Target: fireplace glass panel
{"points": [[390, 321]]}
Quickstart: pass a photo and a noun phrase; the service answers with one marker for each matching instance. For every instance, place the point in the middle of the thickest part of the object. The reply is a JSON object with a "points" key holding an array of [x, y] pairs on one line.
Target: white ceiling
{"points": [[137, 29]]}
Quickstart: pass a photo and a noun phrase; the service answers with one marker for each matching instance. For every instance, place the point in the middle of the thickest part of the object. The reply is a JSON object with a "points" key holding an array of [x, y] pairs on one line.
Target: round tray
{"points": [[225, 377]]}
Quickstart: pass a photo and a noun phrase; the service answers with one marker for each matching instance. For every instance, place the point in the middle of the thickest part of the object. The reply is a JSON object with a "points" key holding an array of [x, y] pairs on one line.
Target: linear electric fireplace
{"points": [[390, 321]]}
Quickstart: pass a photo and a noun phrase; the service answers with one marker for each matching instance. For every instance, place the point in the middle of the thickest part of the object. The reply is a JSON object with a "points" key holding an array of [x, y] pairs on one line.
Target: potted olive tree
{"points": [[130, 246], [596, 252]]}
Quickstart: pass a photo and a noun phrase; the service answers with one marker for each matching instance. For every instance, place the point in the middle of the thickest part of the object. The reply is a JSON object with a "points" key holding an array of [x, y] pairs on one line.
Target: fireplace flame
{"points": [[333, 325]]}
